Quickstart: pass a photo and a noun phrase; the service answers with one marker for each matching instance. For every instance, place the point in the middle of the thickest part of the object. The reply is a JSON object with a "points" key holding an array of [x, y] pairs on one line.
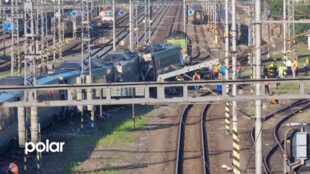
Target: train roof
{"points": [[120, 56], [70, 66], [43, 80], [177, 35], [8, 81], [7, 96], [12, 81], [162, 46], [156, 47], [96, 63]]}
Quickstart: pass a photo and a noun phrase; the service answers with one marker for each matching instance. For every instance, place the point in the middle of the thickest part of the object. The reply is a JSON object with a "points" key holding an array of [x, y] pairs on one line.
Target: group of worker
{"points": [[214, 72], [289, 67]]}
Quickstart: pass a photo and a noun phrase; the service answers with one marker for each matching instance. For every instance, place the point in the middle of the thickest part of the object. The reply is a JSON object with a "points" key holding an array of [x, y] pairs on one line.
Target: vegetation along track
{"points": [[298, 103], [192, 141]]}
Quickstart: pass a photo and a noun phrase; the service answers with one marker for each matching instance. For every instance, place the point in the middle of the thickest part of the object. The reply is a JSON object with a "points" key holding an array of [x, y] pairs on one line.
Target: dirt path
{"points": [[159, 140]]}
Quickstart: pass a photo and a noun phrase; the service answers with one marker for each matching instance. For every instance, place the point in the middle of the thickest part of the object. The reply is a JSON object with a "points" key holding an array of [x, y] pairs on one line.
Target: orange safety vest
{"points": [[13, 168], [196, 77], [239, 65], [266, 84], [208, 26], [294, 67], [273, 101]]}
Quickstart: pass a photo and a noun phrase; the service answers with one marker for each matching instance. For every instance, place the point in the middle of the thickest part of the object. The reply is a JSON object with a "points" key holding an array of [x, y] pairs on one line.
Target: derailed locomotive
{"points": [[115, 67]]}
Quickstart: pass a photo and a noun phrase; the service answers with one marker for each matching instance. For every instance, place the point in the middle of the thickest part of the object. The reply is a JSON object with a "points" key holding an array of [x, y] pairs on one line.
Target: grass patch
{"points": [[8, 73], [82, 144], [122, 133], [116, 132], [286, 88], [5, 74], [298, 53]]}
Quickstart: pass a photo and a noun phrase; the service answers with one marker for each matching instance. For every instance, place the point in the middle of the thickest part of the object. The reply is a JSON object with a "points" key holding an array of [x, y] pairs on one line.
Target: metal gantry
{"points": [[86, 47], [143, 92], [30, 57], [15, 47]]}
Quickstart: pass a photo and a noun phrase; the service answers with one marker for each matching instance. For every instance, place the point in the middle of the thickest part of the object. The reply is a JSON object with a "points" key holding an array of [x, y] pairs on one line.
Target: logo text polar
{"points": [[41, 147]]}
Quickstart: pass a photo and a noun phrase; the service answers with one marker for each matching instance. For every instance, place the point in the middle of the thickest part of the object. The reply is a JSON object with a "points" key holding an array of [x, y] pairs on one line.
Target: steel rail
{"points": [[266, 118], [276, 134], [119, 40], [181, 133], [204, 141]]}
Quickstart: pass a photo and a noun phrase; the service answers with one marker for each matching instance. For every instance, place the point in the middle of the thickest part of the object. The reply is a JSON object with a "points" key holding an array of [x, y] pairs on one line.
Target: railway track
{"points": [[276, 133], [5, 64], [293, 110], [173, 20], [192, 141], [121, 36]]}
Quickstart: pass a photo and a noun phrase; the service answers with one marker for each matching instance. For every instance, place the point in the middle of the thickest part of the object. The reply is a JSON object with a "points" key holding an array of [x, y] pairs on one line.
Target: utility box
{"points": [[301, 145]]}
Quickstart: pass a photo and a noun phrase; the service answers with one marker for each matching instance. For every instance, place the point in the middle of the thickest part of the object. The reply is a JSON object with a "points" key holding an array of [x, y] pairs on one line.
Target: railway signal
{"points": [[191, 12], [121, 12], [73, 13]]}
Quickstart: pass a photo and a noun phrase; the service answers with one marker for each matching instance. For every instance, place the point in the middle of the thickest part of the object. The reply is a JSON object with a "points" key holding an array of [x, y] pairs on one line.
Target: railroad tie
{"points": [[236, 149], [227, 118]]}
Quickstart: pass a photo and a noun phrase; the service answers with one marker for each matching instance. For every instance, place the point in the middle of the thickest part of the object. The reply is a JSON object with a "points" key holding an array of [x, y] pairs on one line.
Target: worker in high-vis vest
{"points": [[271, 72], [294, 68], [179, 78], [179, 90], [282, 70], [266, 87], [196, 77], [12, 169], [296, 62], [239, 70], [274, 101], [216, 70]]}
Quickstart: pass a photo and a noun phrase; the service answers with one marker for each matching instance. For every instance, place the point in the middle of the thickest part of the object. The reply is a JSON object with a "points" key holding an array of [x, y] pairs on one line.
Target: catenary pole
{"points": [[227, 108], [236, 142], [149, 22], [258, 103], [130, 26], [145, 22], [284, 26], [114, 38], [184, 16]]}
